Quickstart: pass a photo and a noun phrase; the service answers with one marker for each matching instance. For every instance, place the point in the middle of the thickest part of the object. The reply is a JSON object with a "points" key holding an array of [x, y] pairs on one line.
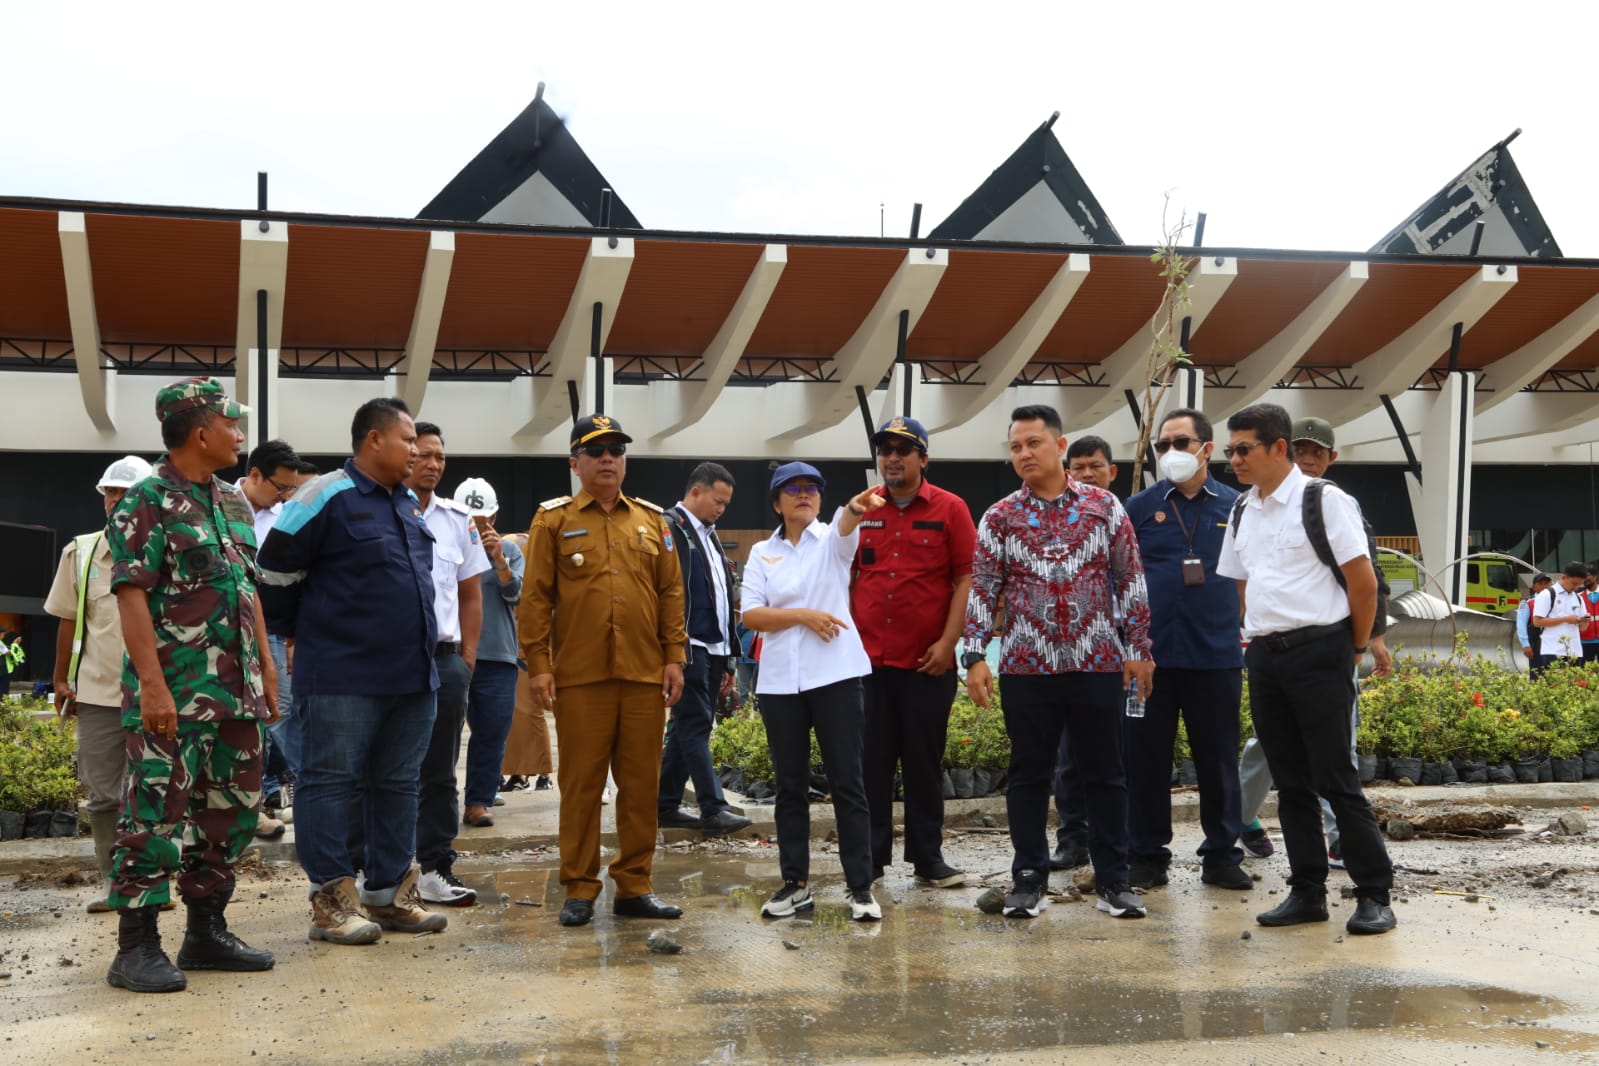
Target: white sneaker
{"points": [[499, 800], [605, 797], [863, 907], [792, 898], [442, 886]]}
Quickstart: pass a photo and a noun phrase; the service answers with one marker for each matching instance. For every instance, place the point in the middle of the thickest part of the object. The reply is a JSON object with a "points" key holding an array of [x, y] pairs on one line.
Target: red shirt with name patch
{"points": [[906, 567]]}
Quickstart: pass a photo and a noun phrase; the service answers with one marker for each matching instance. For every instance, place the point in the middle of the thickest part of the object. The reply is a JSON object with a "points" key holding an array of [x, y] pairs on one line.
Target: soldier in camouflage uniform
{"points": [[196, 690]]}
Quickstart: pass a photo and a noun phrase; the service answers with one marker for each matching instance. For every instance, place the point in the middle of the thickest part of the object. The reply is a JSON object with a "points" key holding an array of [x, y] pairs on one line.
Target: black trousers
{"points": [[907, 722], [1088, 708], [687, 754], [1300, 700], [835, 712], [1071, 798], [1207, 701]]}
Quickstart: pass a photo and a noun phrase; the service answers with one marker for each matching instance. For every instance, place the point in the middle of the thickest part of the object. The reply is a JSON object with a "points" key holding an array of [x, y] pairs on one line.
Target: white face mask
{"points": [[1177, 467]]}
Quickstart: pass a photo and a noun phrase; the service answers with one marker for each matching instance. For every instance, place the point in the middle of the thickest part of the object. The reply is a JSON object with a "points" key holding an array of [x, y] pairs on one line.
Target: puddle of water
{"points": [[938, 979]]}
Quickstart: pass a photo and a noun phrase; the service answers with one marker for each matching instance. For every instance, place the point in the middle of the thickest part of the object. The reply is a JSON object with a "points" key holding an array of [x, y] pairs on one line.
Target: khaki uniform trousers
{"points": [[527, 746], [615, 725]]}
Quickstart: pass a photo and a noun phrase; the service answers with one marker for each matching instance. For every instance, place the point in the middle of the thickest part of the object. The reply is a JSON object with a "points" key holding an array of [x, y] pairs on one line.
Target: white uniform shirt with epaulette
{"points": [[458, 555]]}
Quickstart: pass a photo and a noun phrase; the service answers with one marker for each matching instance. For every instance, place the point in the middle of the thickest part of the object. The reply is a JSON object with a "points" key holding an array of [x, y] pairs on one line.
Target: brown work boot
{"points": [[336, 915], [404, 913]]}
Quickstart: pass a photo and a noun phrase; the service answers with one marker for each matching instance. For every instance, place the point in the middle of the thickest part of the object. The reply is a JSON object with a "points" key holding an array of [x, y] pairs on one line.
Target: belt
{"points": [[446, 647], [1293, 638]]}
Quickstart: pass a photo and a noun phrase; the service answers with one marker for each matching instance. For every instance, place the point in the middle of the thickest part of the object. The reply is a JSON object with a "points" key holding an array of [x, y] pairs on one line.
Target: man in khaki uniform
{"points": [[88, 671], [602, 631]]}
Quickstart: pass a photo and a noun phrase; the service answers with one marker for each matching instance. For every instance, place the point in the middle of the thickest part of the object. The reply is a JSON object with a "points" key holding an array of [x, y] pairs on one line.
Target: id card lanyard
{"points": [[1193, 566]]}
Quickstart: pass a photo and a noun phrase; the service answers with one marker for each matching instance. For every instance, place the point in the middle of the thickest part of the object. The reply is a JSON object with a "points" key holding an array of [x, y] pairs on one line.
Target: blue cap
{"points": [[790, 471], [905, 427]]}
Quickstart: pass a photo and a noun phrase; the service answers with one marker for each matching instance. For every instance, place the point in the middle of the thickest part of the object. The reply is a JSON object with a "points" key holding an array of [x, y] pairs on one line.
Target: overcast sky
{"points": [[1292, 125]]}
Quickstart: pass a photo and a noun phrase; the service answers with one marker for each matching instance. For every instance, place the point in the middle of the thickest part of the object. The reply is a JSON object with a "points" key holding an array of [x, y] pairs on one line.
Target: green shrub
{"points": [[36, 761], [977, 738]]}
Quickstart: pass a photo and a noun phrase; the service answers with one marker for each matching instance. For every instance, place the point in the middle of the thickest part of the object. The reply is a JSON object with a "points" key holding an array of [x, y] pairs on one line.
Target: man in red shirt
{"points": [[913, 570]]}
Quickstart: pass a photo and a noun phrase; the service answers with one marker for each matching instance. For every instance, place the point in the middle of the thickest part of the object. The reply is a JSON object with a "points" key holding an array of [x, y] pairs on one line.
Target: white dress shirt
{"points": [[265, 518], [715, 564], [814, 574], [1289, 586], [457, 556]]}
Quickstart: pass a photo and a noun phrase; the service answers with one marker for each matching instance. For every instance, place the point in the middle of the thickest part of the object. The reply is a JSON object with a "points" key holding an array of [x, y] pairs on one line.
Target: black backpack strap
{"points": [[1316, 527], [1238, 512]]}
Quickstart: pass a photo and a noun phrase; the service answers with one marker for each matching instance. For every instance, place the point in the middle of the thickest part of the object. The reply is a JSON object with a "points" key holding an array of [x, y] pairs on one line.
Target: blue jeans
{"points": [[353, 745], [491, 700], [283, 736], [688, 744]]}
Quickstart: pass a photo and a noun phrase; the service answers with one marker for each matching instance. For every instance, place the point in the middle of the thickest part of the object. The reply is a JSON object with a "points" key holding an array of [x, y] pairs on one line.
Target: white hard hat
{"points": [[477, 496], [125, 473]]}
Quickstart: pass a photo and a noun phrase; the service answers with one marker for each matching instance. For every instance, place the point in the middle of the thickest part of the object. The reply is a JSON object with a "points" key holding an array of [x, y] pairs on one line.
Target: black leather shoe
{"points": [[1232, 877], [1371, 918], [577, 911], [1147, 873], [722, 823], [678, 819], [1069, 857], [645, 906], [1300, 907]]}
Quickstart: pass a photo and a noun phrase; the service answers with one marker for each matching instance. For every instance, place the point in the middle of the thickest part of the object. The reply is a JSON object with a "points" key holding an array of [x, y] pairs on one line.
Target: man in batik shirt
{"points": [[1052, 551]]}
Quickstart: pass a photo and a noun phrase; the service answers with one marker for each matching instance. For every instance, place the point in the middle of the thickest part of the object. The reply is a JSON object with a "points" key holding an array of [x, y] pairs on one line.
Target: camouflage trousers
{"points": [[191, 809]]}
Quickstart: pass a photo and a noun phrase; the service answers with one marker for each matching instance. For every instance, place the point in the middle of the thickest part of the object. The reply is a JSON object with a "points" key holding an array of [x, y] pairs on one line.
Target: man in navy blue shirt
{"points": [[348, 573], [1180, 522]]}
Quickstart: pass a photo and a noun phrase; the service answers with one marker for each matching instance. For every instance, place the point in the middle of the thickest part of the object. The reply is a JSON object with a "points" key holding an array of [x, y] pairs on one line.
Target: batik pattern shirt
{"points": [[191, 547], [1044, 576]]}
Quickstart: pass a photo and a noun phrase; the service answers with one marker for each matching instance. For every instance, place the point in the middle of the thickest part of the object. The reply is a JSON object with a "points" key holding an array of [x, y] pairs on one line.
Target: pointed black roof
{"points": [[1492, 190], [532, 173], [1035, 195]]}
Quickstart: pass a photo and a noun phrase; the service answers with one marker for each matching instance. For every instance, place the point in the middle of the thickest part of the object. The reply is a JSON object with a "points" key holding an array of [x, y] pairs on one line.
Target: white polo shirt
{"points": [[1566, 639], [815, 574], [457, 556], [1289, 586]]}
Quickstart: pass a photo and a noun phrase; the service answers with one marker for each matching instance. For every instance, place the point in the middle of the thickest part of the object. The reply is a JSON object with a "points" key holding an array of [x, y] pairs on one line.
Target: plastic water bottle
{"points": [[1135, 702]]}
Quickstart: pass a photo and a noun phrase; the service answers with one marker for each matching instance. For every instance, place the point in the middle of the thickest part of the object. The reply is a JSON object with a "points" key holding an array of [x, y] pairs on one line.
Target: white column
{"points": [[263, 264], [1442, 503]]}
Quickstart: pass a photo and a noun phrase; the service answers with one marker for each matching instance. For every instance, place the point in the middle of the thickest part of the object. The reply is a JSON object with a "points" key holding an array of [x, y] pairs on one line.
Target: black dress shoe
{"points": [[1371, 918], [1069, 857], [1300, 907], [1232, 877], [722, 823], [645, 906], [678, 819], [577, 911], [1147, 873]]}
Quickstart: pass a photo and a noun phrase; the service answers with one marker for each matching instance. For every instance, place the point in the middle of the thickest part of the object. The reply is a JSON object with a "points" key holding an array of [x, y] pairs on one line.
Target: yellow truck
{"points": [[1491, 585]]}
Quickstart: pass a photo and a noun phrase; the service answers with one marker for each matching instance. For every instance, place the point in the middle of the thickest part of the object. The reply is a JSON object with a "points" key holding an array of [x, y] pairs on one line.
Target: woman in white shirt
{"points": [[796, 593]]}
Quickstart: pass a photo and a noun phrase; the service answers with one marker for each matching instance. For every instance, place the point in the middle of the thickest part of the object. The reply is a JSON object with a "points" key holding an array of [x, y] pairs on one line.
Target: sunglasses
{"points": [[802, 488], [888, 448], [1243, 450], [594, 451], [1180, 443]]}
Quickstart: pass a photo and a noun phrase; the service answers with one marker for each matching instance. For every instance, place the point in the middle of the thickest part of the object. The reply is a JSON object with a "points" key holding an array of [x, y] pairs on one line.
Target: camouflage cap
{"points": [[190, 393]]}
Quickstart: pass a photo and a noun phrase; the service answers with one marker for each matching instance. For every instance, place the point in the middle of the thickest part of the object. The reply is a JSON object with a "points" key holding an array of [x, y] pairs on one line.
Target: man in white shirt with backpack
{"points": [[1559, 613]]}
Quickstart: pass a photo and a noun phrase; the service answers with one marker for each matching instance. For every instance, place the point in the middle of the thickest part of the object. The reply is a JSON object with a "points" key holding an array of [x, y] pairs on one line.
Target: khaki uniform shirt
{"points": [[602, 594], [99, 679]]}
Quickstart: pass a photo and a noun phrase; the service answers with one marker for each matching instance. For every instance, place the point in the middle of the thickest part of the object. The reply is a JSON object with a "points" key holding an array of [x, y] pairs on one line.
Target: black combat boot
{"points": [[141, 965], [207, 944]]}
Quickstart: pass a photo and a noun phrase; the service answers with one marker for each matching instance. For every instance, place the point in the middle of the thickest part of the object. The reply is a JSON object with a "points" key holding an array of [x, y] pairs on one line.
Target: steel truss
{"points": [[1320, 377]]}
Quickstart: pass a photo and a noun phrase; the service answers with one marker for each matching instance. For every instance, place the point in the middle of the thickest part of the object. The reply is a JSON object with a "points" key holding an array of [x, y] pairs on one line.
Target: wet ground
{"points": [[1505, 977]]}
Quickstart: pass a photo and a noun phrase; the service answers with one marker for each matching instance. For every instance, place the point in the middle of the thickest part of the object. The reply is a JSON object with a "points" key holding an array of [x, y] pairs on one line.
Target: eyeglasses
{"points": [[888, 448], [594, 451], [802, 488], [1243, 450], [284, 491], [1180, 443]]}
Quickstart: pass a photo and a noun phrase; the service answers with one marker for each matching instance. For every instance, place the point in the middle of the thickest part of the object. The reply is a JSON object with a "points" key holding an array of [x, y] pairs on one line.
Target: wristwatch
{"points": [[971, 659]]}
